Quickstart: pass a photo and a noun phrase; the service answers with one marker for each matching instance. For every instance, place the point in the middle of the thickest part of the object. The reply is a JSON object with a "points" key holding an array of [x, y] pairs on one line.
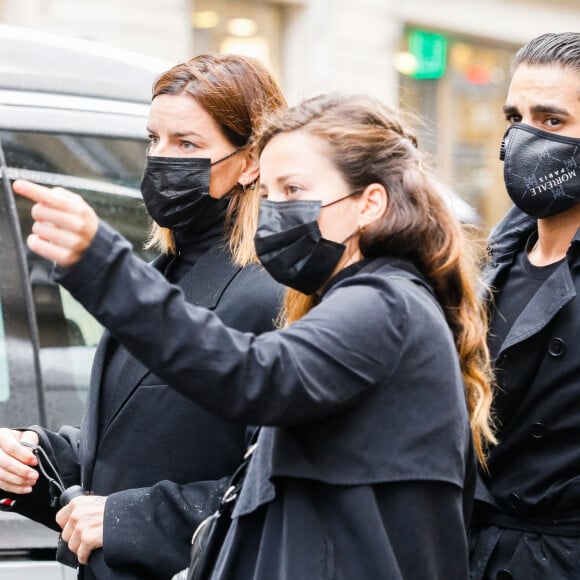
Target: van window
{"points": [[111, 160], [107, 173]]}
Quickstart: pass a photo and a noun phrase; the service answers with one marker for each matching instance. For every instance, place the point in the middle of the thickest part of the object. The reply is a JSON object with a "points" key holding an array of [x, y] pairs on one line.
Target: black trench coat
{"points": [[527, 513], [362, 469], [162, 460]]}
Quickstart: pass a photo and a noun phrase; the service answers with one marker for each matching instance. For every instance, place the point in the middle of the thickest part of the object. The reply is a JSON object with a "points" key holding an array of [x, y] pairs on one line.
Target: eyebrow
{"points": [[179, 134], [290, 176], [550, 109]]}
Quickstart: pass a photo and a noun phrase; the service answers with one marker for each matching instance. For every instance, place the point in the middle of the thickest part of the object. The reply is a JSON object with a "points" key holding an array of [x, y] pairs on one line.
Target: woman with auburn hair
{"points": [[371, 396], [154, 462]]}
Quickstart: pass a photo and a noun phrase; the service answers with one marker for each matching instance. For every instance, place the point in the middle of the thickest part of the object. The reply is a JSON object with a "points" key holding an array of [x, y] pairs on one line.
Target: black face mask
{"points": [[541, 170], [290, 246], [176, 192]]}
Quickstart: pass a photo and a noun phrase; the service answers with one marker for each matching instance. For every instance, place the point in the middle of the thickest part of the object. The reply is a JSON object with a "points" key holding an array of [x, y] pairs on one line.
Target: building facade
{"points": [[447, 60]]}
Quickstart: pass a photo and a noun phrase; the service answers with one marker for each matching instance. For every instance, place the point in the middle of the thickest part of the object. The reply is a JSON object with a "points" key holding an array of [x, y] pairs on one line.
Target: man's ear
{"points": [[251, 169], [375, 201]]}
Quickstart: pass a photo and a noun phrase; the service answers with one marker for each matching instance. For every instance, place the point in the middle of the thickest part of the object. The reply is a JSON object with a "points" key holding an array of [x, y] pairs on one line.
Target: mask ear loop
{"points": [[53, 482], [355, 192], [237, 150]]}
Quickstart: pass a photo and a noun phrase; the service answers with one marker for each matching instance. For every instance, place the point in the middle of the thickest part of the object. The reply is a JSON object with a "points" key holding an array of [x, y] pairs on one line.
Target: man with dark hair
{"points": [[526, 523]]}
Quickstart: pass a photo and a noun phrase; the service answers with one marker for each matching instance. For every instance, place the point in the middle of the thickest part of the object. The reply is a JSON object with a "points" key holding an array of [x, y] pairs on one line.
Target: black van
{"points": [[72, 114]]}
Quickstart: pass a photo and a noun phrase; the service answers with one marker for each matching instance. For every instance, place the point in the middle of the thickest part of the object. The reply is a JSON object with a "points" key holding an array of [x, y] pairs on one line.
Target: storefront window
{"points": [[248, 28], [461, 106]]}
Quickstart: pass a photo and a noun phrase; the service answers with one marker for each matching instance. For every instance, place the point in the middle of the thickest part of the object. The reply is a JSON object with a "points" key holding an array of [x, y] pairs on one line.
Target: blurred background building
{"points": [[445, 59]]}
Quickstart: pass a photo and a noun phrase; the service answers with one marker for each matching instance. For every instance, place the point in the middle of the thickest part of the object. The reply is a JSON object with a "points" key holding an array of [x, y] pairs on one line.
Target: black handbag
{"points": [[210, 534]]}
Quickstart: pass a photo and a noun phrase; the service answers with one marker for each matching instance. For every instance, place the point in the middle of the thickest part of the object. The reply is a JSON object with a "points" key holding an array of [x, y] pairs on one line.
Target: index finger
{"points": [[39, 193]]}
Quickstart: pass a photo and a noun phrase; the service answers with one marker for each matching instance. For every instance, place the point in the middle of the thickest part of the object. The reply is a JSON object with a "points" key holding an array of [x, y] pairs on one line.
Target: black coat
{"points": [[533, 486], [362, 468], [161, 459]]}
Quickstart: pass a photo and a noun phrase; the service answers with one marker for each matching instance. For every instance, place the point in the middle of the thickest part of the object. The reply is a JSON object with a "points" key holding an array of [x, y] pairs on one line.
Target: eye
{"points": [[513, 118], [292, 190], [153, 141], [187, 145], [553, 122]]}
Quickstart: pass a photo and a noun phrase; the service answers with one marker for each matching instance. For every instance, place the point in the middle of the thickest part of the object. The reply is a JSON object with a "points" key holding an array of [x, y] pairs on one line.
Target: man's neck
{"points": [[554, 236]]}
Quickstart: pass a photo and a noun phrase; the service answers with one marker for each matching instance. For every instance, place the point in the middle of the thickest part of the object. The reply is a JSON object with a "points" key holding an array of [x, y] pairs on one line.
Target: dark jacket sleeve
{"points": [[62, 450], [151, 528], [327, 360]]}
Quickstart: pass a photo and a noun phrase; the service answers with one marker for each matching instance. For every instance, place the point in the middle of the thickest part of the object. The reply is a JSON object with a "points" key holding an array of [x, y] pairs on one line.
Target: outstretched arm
{"points": [[318, 366]]}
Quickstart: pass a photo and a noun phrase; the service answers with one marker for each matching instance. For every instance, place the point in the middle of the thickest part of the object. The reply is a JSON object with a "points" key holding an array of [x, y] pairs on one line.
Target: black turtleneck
{"points": [[191, 245]]}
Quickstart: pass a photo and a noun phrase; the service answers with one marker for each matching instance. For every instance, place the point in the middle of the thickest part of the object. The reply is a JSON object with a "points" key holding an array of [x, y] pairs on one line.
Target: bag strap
{"points": [[237, 480]]}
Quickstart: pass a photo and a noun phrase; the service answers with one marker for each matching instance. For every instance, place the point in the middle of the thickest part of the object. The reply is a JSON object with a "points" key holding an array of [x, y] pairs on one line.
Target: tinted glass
{"points": [[113, 161]]}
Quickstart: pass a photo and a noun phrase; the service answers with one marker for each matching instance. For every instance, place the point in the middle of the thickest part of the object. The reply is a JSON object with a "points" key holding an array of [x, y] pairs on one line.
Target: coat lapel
{"points": [[90, 420], [506, 239], [552, 296], [203, 286]]}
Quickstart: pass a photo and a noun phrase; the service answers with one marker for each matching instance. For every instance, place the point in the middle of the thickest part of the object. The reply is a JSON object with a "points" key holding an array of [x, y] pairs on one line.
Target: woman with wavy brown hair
{"points": [[373, 394], [418, 227]]}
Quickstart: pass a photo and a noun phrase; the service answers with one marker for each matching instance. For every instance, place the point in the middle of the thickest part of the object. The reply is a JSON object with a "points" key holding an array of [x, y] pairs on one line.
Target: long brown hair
{"points": [[236, 91], [369, 143]]}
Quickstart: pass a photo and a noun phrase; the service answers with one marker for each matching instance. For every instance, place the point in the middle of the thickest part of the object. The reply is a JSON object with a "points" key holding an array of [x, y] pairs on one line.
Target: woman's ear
{"points": [[251, 169], [375, 201]]}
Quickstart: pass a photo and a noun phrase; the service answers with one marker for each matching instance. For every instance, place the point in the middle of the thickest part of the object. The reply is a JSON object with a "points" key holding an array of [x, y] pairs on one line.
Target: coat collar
{"points": [[392, 264], [505, 241], [509, 236]]}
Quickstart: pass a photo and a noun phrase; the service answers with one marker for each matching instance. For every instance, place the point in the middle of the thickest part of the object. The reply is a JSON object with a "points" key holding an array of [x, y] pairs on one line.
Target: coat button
{"points": [[557, 347], [538, 430], [504, 575], [514, 500]]}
